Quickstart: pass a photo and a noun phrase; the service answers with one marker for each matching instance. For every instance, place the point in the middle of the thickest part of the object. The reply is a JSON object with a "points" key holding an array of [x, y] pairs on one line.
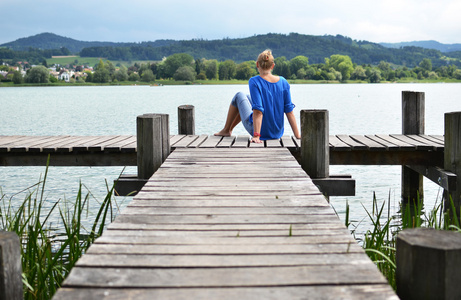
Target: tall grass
{"points": [[379, 242], [48, 251]]}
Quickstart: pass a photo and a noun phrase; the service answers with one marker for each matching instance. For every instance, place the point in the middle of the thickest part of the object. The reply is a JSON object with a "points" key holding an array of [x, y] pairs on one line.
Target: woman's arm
{"points": [[294, 126], [257, 121]]}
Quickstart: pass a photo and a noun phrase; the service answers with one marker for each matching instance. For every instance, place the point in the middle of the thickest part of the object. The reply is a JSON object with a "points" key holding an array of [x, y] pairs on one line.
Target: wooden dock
{"points": [[230, 223], [120, 150]]}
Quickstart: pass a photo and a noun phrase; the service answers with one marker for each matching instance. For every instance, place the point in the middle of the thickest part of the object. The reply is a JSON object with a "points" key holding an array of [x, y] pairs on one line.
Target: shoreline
{"points": [[160, 83]]}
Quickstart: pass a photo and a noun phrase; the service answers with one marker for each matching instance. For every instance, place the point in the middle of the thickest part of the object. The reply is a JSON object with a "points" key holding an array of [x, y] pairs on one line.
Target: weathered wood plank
{"points": [[371, 144], [351, 142], [211, 142], [198, 141], [185, 142], [402, 145], [235, 228], [226, 142], [337, 145], [416, 144], [288, 142], [223, 277], [226, 261], [273, 144], [325, 292]]}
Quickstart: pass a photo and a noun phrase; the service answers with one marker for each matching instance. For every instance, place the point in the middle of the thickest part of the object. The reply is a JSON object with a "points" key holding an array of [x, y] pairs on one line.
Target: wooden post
{"points": [[186, 119], [452, 157], [153, 143], [428, 264], [315, 150], [10, 267], [413, 106]]}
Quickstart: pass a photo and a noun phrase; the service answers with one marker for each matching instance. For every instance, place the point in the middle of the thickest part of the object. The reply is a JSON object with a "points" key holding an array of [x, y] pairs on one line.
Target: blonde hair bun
{"points": [[265, 59]]}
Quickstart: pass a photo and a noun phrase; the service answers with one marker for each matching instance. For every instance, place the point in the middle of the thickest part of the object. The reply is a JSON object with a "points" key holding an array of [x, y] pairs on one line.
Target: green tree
{"points": [[134, 77], [359, 73], [297, 63], [38, 74], [175, 61], [341, 63], [147, 75], [426, 64], [101, 75], [185, 73], [211, 69], [121, 74], [245, 71], [226, 70], [282, 67], [17, 77]]}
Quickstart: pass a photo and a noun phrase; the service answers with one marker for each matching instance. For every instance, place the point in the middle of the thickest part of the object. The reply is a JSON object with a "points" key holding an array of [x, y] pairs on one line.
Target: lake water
{"points": [[353, 109]]}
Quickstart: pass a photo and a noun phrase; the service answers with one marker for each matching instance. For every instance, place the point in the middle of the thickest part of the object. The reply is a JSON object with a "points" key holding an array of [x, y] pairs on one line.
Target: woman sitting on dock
{"points": [[262, 111]]}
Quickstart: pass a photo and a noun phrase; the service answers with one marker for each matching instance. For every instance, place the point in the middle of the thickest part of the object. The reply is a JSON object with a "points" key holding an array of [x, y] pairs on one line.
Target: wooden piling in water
{"points": [[315, 149], [452, 158], [10, 267], [428, 264], [413, 106], [153, 143], [186, 119]]}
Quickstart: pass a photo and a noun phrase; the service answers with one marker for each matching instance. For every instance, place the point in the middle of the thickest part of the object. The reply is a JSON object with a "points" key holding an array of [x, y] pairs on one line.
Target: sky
{"points": [[149, 20]]}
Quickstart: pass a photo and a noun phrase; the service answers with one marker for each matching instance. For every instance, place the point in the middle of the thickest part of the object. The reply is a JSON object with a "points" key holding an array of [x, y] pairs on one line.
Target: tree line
{"points": [[183, 67]]}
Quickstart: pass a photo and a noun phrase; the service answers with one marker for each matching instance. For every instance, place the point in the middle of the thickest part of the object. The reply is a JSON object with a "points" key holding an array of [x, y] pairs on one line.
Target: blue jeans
{"points": [[243, 103]]}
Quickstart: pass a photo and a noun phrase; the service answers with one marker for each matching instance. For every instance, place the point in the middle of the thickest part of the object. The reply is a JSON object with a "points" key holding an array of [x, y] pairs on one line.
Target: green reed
{"points": [[49, 251], [379, 242]]}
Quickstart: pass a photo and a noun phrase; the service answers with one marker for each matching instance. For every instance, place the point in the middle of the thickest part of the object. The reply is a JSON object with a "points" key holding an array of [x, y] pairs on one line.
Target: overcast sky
{"points": [[150, 20]]}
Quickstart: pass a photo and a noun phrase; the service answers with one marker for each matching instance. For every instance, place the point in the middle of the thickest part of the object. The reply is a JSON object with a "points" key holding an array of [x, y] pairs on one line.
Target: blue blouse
{"points": [[273, 100]]}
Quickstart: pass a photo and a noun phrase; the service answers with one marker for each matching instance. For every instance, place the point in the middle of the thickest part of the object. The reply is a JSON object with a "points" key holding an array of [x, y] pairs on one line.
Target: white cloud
{"points": [[141, 20]]}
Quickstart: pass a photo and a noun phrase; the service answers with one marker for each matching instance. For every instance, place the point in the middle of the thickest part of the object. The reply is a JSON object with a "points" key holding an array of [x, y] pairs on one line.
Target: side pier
{"points": [[227, 224]]}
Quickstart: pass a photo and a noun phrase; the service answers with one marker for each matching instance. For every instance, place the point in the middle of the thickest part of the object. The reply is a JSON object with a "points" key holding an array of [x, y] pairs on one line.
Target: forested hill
{"points": [[47, 41], [316, 48]]}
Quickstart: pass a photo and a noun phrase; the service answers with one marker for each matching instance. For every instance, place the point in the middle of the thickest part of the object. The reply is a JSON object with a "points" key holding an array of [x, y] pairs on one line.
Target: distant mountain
{"points": [[425, 44], [48, 40]]}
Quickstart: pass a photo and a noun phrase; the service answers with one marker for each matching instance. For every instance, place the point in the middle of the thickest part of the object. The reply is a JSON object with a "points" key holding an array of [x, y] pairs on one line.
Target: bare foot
{"points": [[223, 133]]}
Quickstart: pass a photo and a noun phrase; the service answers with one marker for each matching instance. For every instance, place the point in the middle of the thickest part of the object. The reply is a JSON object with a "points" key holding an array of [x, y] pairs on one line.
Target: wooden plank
{"points": [[125, 146], [226, 142], [37, 144], [211, 142], [193, 261], [437, 146], [331, 292], [371, 144], [89, 142], [198, 141], [287, 142], [185, 142], [402, 145], [349, 141], [440, 139], [273, 143], [337, 145], [241, 141], [226, 228], [418, 145], [222, 277], [225, 211], [20, 143], [176, 138], [260, 249], [389, 146]]}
